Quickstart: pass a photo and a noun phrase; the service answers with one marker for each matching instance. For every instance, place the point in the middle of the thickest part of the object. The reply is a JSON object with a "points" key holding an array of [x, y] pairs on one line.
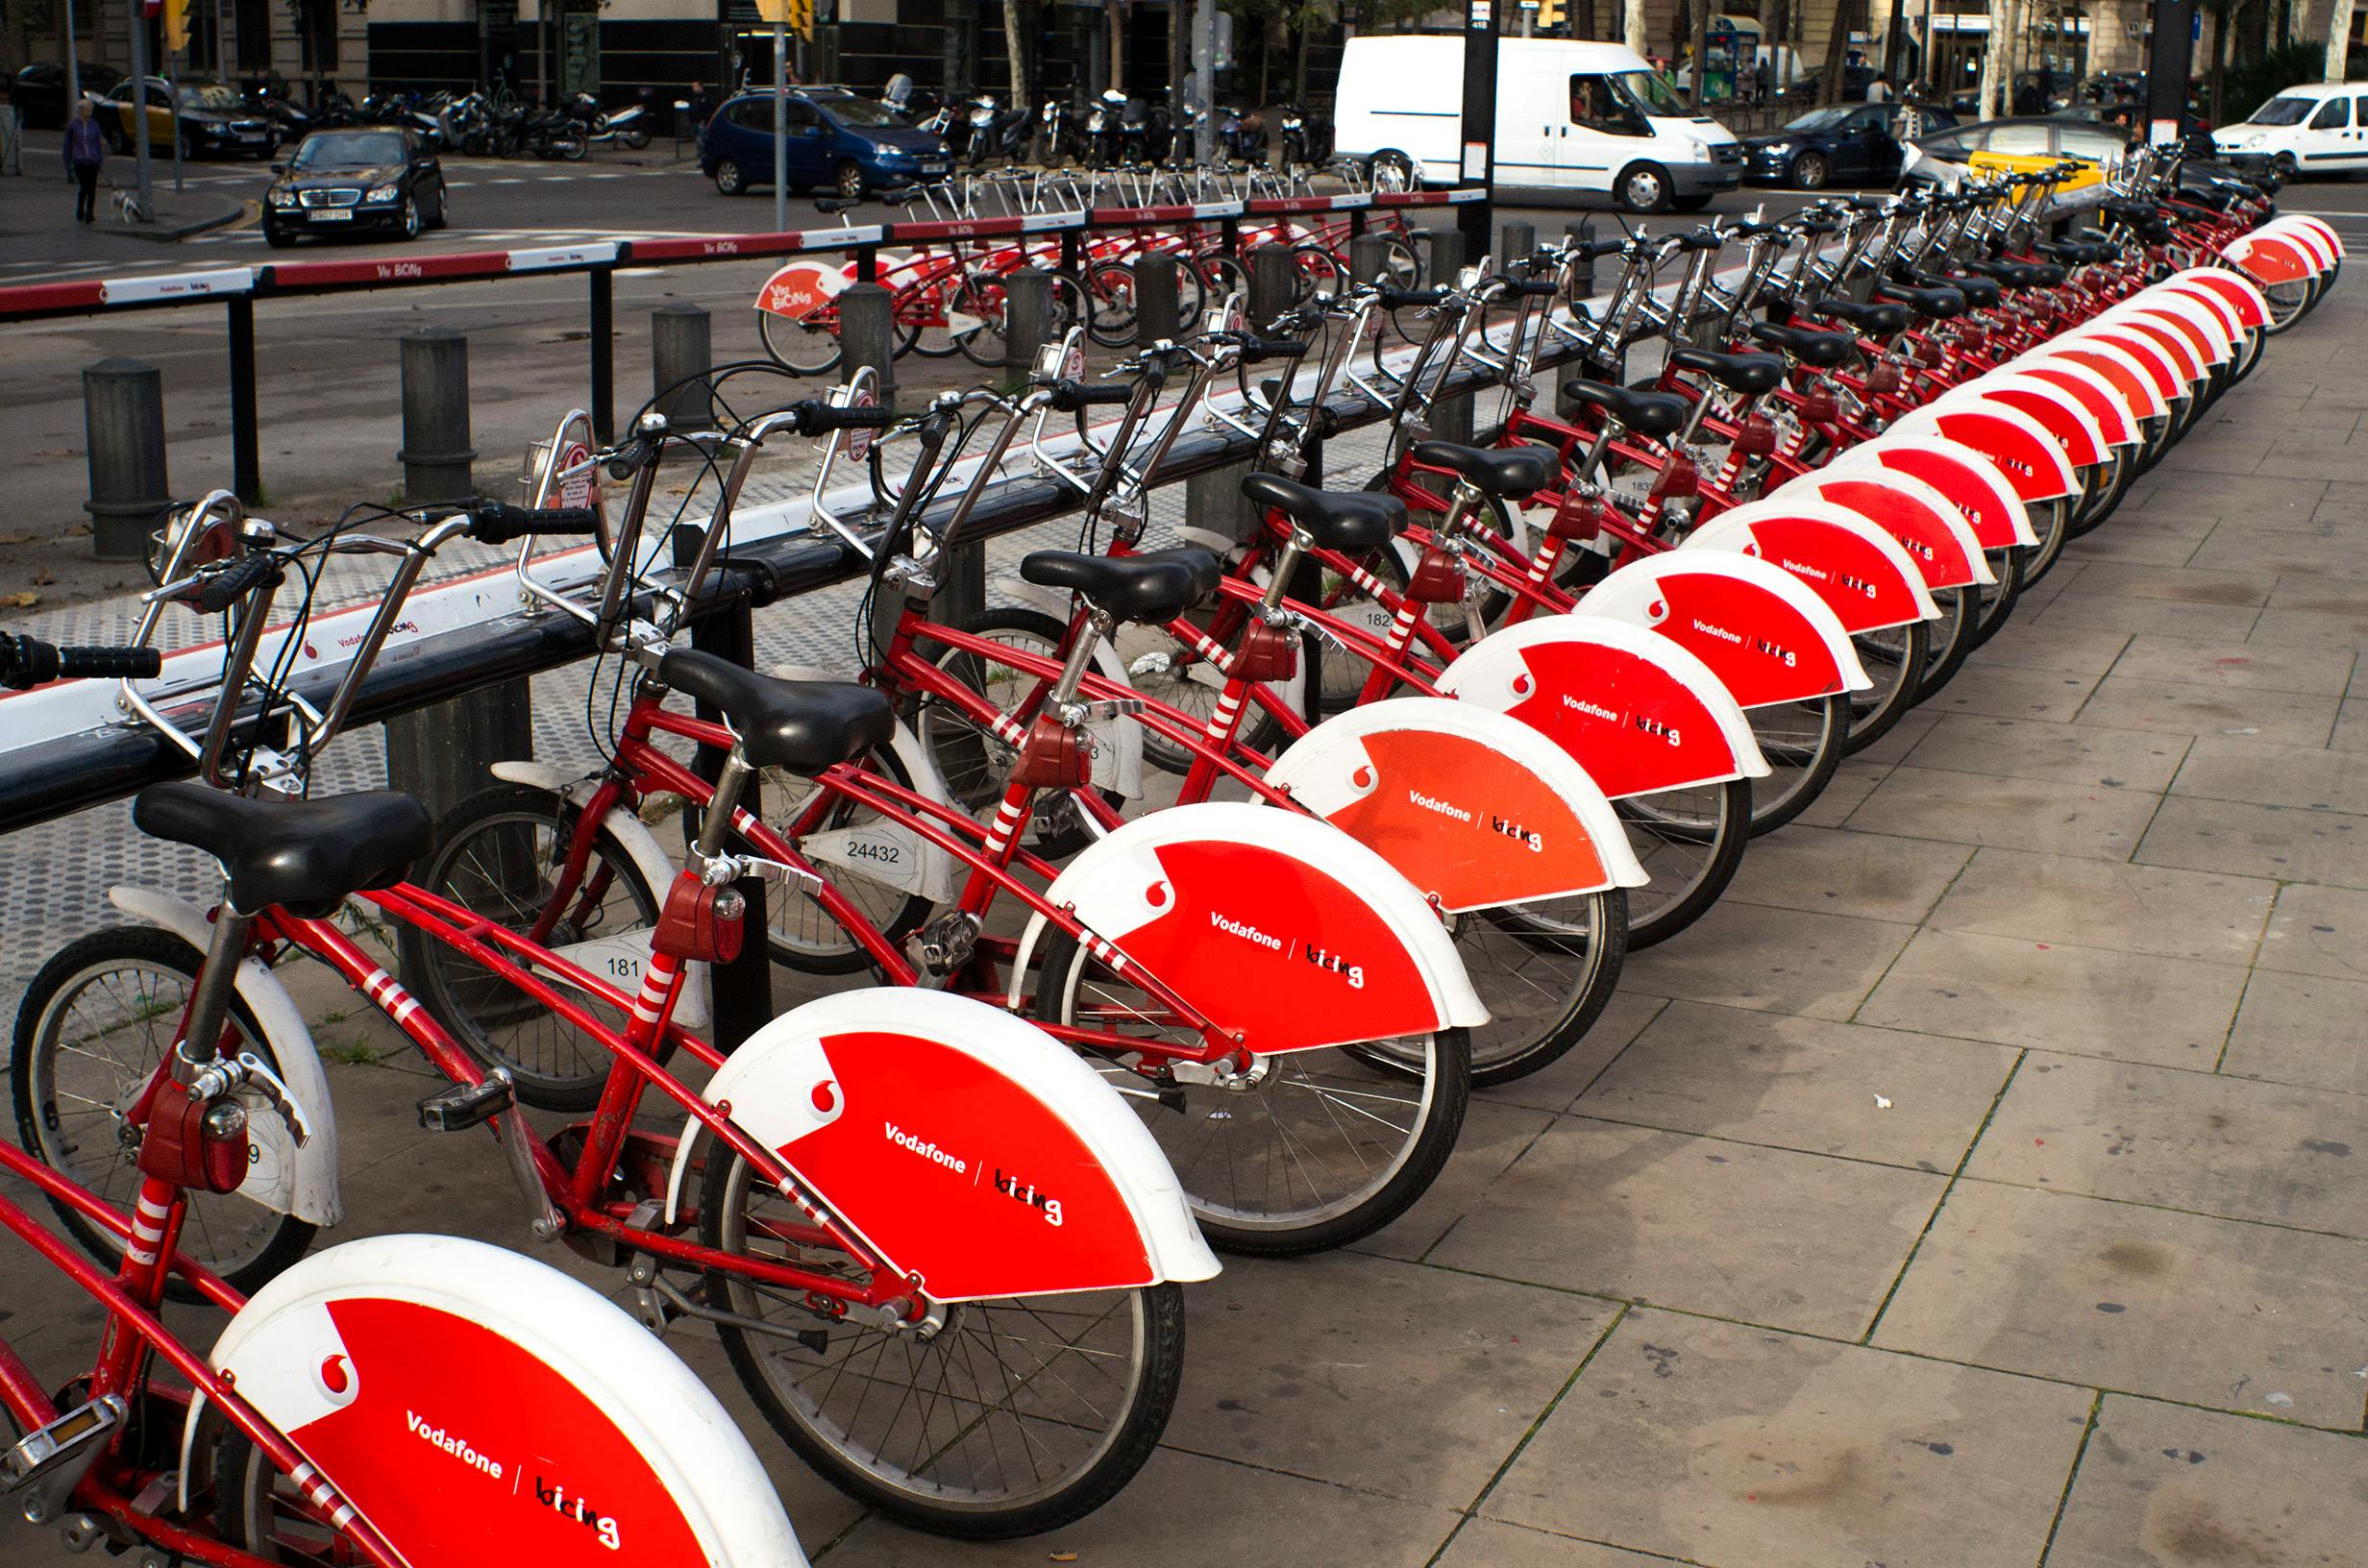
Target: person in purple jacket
{"points": [[84, 151]]}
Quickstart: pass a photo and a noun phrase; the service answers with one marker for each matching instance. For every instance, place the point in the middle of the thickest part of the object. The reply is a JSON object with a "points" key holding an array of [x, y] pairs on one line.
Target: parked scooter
{"points": [[625, 126], [995, 131]]}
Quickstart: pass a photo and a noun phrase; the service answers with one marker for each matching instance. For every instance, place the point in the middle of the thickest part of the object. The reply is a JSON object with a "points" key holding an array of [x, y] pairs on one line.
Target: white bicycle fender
{"points": [[1633, 708], [2320, 227], [1118, 742], [1477, 810], [1273, 924], [2205, 332], [2243, 295], [2118, 364], [1757, 626], [1979, 487], [2232, 326], [375, 1357], [1860, 571], [289, 1180], [694, 1008], [2076, 432], [1926, 523], [2008, 436], [964, 1145], [2088, 386]]}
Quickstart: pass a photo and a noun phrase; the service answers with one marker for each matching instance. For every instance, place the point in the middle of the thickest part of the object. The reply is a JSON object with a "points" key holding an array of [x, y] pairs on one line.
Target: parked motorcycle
{"points": [[995, 131], [626, 127]]}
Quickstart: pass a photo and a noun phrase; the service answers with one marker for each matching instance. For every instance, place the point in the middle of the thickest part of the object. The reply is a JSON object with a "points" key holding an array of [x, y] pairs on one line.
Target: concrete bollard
{"points": [[1027, 318], [1158, 310], [1273, 278], [1582, 232], [1451, 417], [441, 754], [1368, 260], [867, 336], [123, 428], [681, 353], [436, 455], [1517, 241]]}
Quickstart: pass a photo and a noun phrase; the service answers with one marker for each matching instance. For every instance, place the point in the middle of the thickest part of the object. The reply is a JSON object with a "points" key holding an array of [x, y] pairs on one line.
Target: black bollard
{"points": [[436, 455], [123, 427], [681, 353]]}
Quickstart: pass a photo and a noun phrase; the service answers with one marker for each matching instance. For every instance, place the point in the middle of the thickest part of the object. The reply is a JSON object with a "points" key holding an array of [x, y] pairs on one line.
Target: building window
{"points": [[316, 36], [253, 29]]}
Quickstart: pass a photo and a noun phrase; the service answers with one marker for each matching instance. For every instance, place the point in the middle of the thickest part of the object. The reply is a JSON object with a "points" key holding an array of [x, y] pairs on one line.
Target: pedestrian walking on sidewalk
{"points": [[84, 151]]}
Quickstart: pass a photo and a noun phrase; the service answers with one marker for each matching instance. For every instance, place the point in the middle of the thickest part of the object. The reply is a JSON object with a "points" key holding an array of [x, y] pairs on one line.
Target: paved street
{"points": [[1982, 1185]]}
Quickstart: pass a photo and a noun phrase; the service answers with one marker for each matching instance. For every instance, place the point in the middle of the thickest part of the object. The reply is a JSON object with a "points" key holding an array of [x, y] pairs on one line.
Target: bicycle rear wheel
{"points": [[1320, 1149], [1546, 971], [500, 855], [1803, 742], [803, 345], [1895, 658], [1014, 1418], [1691, 842]]}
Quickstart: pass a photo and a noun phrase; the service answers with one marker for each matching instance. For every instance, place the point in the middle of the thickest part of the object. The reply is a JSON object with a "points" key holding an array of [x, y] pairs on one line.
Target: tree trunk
{"points": [[2339, 40], [1298, 67], [1118, 44], [1837, 53], [1994, 75], [1633, 32], [1014, 41], [1776, 41], [2219, 61]]}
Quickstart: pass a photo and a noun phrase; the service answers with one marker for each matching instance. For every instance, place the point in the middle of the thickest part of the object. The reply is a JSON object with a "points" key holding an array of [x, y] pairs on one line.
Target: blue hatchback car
{"points": [[837, 140]]}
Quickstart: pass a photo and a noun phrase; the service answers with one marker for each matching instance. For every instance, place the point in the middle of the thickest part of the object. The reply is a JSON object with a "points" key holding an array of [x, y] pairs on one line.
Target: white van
{"points": [[1571, 115], [2319, 129]]}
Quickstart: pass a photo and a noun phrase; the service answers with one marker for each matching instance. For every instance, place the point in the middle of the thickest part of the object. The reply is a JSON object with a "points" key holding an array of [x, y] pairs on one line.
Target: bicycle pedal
{"points": [[49, 1455], [463, 1106]]}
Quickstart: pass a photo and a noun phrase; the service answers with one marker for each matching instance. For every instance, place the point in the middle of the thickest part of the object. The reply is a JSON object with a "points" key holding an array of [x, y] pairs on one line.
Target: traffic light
{"points": [[176, 26], [796, 14]]}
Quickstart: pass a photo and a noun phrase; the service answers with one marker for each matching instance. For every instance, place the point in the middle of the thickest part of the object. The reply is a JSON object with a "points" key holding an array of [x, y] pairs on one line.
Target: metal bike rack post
{"points": [[681, 348], [1156, 309], [1028, 317], [246, 432], [1582, 232], [603, 291], [867, 336], [123, 429], [1451, 417], [436, 455]]}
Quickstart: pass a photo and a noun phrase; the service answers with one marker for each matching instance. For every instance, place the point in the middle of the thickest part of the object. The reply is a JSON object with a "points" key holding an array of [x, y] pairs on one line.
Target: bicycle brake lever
{"points": [[258, 1075]]}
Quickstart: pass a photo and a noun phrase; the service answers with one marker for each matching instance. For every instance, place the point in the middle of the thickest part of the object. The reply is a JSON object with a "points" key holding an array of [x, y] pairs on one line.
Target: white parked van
{"points": [[2319, 129], [1571, 115]]}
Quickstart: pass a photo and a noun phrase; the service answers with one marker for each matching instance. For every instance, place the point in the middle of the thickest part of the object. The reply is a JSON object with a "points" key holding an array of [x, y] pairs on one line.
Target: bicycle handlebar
{"points": [[498, 523], [219, 590], [27, 662], [1068, 396], [1394, 298]]}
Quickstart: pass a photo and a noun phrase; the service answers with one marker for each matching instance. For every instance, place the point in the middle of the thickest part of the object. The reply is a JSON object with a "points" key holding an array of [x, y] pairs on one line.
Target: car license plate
{"points": [[331, 215], [933, 166]]}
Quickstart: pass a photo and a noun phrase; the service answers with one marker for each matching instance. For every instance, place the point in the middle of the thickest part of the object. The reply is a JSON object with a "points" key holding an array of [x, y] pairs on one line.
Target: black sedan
{"points": [[1852, 145], [377, 177], [40, 91]]}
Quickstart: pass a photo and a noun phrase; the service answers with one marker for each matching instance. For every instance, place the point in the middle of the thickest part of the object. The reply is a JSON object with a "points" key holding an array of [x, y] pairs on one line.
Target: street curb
{"points": [[165, 236]]}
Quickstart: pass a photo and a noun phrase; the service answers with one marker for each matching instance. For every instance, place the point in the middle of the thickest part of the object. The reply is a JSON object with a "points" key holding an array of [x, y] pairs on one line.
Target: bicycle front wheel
{"points": [[1014, 1418], [91, 1031], [502, 854], [1311, 1150], [803, 345]]}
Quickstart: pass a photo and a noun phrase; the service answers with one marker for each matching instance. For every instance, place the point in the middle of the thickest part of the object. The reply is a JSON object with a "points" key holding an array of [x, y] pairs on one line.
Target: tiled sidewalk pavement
{"points": [[1986, 1182]]}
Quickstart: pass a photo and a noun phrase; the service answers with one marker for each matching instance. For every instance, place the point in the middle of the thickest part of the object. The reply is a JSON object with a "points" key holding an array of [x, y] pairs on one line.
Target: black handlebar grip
{"points": [[1255, 349], [1394, 298], [1698, 239], [1596, 250], [821, 418], [1537, 288], [109, 663], [498, 523], [218, 592], [1068, 397]]}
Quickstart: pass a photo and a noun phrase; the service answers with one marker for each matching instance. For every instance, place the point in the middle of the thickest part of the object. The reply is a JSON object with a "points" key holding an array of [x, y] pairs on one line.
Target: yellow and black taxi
{"points": [[381, 179], [207, 116], [2019, 146]]}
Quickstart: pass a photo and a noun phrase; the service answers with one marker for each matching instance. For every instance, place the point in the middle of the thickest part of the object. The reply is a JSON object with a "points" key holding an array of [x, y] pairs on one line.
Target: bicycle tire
{"points": [[1111, 287], [1432, 1116], [480, 861], [1518, 1039], [1952, 638], [1896, 656], [1128, 1434], [803, 346], [39, 1048], [1999, 598], [1803, 743], [1712, 839], [1315, 269]]}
